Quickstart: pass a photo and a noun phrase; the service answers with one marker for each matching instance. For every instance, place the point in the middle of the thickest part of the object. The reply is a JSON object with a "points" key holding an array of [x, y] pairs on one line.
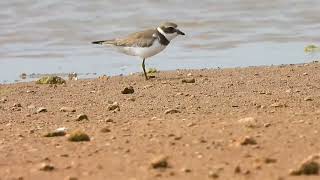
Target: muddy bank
{"points": [[242, 123]]}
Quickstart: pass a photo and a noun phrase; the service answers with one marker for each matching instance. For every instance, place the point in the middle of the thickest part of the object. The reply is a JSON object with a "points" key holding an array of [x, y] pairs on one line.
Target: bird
{"points": [[146, 43]]}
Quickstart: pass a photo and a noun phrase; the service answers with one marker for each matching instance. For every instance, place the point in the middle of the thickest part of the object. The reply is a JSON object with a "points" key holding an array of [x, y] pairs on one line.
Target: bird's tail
{"points": [[103, 42]]}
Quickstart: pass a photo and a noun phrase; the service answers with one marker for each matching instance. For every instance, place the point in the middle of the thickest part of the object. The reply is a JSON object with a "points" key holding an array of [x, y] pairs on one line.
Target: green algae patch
{"points": [[55, 134], [50, 80], [152, 70], [78, 136], [5, 91], [311, 48]]}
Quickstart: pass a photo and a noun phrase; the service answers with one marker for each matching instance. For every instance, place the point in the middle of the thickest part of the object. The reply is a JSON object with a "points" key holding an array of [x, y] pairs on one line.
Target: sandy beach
{"points": [[240, 123]]}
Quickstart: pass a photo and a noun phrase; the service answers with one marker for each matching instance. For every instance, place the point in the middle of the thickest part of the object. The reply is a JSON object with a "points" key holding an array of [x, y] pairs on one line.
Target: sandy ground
{"points": [[242, 123]]}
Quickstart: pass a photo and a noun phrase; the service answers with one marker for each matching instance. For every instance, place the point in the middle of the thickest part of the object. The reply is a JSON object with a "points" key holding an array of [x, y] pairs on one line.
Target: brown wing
{"points": [[141, 39]]}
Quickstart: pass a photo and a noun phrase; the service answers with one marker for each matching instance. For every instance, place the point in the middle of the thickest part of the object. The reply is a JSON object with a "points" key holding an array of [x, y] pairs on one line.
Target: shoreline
{"points": [[229, 123], [28, 78]]}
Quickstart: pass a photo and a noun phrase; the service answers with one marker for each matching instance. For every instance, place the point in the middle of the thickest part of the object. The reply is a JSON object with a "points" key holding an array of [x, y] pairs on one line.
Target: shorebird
{"points": [[145, 43]]}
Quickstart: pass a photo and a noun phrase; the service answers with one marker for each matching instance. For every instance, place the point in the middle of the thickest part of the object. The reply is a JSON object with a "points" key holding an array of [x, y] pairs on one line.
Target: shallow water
{"points": [[53, 36]]}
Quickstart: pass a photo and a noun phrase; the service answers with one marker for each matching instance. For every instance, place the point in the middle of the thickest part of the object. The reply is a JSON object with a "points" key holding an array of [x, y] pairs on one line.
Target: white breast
{"points": [[143, 52]]}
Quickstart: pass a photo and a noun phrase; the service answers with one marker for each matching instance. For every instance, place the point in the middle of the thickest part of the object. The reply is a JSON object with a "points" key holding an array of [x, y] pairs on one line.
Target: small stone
{"points": [[276, 104], [270, 160], [308, 98], [78, 136], [248, 141], [237, 169], [3, 100], [105, 130], [103, 77], [288, 91], [247, 120], [267, 125], [108, 120], [188, 80], [81, 117], [57, 132], [213, 174], [46, 167], [67, 109], [160, 162], [114, 106], [128, 90], [189, 74], [131, 99], [70, 178], [186, 170], [147, 86], [41, 110], [17, 105], [308, 167], [171, 111], [191, 124]]}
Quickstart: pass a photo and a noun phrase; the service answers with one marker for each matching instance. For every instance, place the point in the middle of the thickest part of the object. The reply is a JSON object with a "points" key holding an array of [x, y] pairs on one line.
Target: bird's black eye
{"points": [[170, 30]]}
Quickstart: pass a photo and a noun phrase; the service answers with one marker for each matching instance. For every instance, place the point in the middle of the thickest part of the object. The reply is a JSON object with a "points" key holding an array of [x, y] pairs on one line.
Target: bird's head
{"points": [[169, 30]]}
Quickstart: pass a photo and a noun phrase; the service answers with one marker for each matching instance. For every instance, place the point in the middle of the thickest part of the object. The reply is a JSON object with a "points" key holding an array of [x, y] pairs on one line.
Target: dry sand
{"points": [[242, 123]]}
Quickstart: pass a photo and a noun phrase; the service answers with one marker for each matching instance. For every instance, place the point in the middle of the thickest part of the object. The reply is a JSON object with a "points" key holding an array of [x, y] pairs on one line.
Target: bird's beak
{"points": [[180, 32]]}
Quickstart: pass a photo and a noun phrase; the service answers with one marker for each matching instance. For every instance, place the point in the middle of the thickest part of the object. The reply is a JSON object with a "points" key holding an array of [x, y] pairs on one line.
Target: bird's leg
{"points": [[144, 69]]}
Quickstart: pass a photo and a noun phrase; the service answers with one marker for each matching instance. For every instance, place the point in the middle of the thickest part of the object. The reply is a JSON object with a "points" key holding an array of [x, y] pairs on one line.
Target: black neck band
{"points": [[162, 39]]}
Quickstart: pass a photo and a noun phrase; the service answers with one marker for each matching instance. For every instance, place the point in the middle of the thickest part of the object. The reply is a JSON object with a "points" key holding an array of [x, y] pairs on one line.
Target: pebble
{"points": [[160, 162], [46, 167], [103, 77], [81, 117], [147, 86], [267, 125], [277, 104], [41, 110], [114, 106], [131, 99], [78, 136], [213, 174], [248, 141], [171, 111], [3, 100], [270, 160], [67, 109], [108, 120], [308, 98], [188, 80], [186, 170], [237, 169], [247, 120], [105, 130], [128, 90], [191, 124], [17, 105], [70, 178], [57, 132], [310, 166]]}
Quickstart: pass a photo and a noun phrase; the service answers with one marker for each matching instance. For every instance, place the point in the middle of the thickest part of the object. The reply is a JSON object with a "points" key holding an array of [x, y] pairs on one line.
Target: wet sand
{"points": [[240, 123]]}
